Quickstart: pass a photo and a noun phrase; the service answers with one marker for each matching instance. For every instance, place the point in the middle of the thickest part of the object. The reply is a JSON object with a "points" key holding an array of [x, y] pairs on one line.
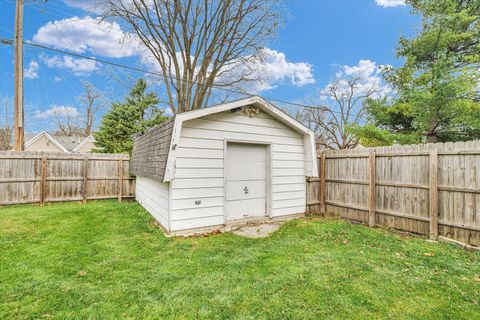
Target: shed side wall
{"points": [[199, 167], [153, 196]]}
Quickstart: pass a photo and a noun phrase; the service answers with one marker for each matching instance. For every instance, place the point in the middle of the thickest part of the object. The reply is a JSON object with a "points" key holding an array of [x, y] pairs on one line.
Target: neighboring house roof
{"points": [[64, 143], [88, 139], [153, 153]]}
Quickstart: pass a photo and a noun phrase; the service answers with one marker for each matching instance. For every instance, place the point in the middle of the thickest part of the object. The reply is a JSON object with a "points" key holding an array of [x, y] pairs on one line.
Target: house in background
{"points": [[45, 141], [224, 165]]}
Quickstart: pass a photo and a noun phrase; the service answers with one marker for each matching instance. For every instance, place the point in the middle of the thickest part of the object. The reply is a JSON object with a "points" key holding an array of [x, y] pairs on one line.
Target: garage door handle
{"points": [[245, 190]]}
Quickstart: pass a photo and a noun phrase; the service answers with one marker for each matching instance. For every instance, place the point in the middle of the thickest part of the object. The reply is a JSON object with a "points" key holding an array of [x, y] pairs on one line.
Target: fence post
{"points": [[433, 157], [323, 163], [43, 180], [85, 179], [120, 179], [371, 189]]}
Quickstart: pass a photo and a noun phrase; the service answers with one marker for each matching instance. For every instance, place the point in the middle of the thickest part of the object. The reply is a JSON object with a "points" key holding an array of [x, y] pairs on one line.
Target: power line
{"points": [[36, 45], [32, 44], [82, 21], [63, 35], [218, 87]]}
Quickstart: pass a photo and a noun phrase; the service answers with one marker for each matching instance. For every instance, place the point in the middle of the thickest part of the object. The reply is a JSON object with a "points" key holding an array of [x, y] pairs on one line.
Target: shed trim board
{"points": [[225, 165]]}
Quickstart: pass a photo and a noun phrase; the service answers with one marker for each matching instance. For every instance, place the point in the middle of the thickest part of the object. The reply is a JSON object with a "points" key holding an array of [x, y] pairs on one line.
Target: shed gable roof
{"points": [[153, 154]]}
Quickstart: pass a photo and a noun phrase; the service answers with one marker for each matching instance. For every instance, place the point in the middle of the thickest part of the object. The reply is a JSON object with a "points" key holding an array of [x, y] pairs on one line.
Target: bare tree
{"points": [[344, 108], [91, 99], [67, 124], [70, 122], [314, 118], [198, 44], [6, 126]]}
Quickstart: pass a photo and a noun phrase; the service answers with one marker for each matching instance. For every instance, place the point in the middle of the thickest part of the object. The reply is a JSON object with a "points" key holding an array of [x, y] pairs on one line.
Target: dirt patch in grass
{"points": [[261, 230]]}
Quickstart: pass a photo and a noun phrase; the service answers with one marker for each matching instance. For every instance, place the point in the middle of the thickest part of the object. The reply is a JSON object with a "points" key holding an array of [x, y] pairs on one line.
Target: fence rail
{"points": [[431, 189], [38, 177]]}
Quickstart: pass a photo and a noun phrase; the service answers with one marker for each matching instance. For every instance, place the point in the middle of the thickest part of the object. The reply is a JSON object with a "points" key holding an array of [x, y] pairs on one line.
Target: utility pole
{"points": [[18, 130]]}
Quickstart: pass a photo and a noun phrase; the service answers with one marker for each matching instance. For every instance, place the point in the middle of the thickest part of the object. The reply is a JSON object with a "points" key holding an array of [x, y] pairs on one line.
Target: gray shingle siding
{"points": [[150, 151]]}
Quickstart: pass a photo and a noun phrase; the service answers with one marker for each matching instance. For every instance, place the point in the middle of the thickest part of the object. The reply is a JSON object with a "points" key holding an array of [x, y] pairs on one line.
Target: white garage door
{"points": [[245, 181]]}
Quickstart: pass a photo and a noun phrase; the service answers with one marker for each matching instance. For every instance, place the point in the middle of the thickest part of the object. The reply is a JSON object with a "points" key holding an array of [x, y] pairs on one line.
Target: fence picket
{"points": [[433, 194], [371, 189], [431, 189], [40, 177]]}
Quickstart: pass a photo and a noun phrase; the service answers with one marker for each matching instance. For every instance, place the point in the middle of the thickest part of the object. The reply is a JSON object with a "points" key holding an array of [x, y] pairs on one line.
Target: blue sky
{"points": [[319, 39]]}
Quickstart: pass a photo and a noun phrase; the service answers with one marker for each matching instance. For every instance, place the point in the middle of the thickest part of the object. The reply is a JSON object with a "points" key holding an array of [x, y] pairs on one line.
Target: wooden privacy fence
{"points": [[431, 189], [36, 177]]}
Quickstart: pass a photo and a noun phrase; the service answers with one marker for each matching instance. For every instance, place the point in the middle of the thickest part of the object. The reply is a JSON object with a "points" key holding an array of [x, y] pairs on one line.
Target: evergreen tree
{"points": [[136, 114], [438, 85]]}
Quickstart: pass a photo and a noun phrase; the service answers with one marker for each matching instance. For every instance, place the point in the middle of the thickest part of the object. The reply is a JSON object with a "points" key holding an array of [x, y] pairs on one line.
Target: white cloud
{"points": [[78, 66], [276, 69], [96, 37], [88, 34], [367, 76], [58, 111], [390, 3], [56, 79], [32, 71], [272, 70]]}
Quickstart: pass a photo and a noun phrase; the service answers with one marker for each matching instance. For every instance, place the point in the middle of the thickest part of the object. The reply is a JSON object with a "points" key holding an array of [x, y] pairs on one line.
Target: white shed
{"points": [[223, 165]]}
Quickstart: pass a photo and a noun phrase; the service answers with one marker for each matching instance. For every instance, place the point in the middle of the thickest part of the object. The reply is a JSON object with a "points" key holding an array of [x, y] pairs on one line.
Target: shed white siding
{"points": [[154, 197], [199, 167]]}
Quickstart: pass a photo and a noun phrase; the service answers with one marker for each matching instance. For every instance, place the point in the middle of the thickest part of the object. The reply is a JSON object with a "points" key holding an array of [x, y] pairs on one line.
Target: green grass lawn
{"points": [[106, 260]]}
